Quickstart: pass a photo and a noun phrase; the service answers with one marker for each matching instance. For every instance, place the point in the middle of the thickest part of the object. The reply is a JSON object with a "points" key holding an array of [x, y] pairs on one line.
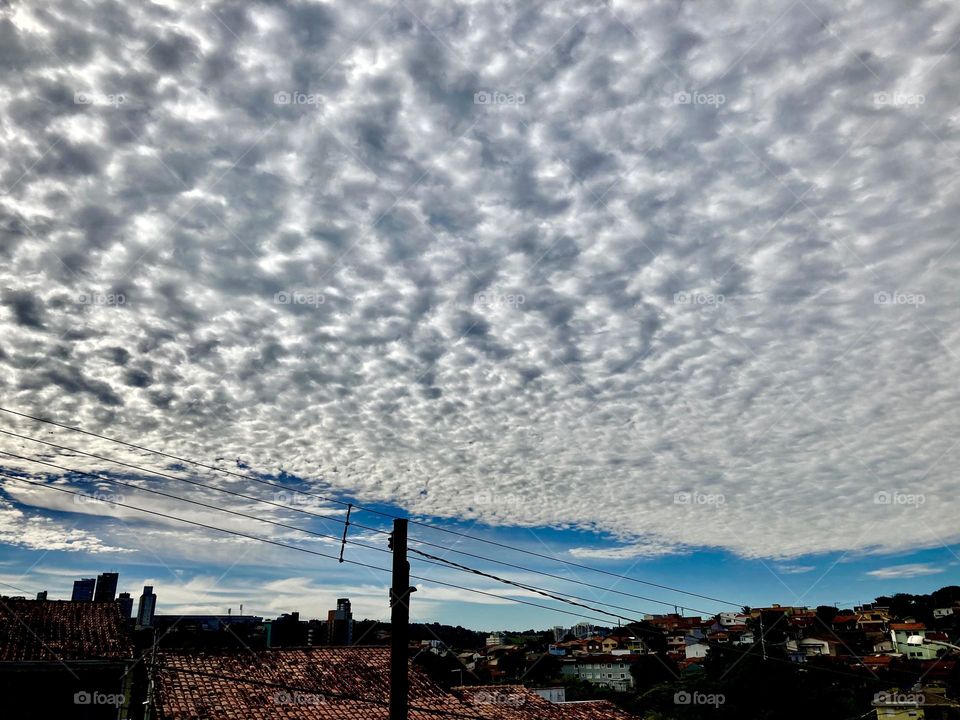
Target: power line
{"points": [[431, 559], [277, 543], [28, 592], [529, 588], [721, 646], [139, 468], [158, 473], [121, 483], [370, 510]]}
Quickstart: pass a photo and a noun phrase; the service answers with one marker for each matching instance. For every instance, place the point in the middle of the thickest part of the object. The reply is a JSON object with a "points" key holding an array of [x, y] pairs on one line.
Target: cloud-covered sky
{"points": [[664, 278]]}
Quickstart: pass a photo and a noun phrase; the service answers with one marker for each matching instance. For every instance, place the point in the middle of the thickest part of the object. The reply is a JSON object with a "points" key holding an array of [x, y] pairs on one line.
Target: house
{"points": [[676, 640], [696, 650], [732, 618], [612, 671], [803, 619], [64, 659], [943, 612], [609, 644], [592, 645], [800, 650], [845, 621], [515, 702], [899, 632], [873, 620], [917, 703]]}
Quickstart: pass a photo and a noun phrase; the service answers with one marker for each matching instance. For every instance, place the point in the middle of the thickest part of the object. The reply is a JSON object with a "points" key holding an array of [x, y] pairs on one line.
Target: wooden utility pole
{"points": [[399, 622]]}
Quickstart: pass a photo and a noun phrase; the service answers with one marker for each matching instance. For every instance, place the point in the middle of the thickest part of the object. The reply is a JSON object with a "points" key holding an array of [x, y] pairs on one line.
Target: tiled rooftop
{"points": [[331, 684], [515, 702], [51, 630], [324, 675]]}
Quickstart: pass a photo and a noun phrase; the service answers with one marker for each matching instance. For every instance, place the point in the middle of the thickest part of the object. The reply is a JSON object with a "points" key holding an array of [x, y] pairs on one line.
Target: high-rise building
{"points": [[340, 624], [106, 590], [42, 595], [126, 605], [83, 590], [147, 607]]}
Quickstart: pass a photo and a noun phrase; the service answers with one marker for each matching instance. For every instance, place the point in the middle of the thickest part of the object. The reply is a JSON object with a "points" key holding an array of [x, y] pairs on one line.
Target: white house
{"points": [[732, 618], [899, 632], [612, 671], [942, 612]]}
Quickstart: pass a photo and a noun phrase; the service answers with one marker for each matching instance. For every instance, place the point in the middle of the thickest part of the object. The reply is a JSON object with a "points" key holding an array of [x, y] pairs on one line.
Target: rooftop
{"points": [[515, 702], [54, 630], [334, 684]]}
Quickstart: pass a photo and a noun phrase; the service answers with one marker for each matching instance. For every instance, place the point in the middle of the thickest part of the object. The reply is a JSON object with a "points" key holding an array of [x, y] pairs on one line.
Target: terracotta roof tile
{"points": [[332, 684], [51, 630]]}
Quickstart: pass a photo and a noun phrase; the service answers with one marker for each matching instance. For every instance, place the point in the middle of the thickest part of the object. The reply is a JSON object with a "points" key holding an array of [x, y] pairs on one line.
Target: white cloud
{"points": [[910, 570], [795, 569], [741, 301], [42, 533]]}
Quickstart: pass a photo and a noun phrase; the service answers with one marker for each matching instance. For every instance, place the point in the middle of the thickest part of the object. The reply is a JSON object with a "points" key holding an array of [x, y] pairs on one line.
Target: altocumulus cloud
{"points": [[679, 273]]}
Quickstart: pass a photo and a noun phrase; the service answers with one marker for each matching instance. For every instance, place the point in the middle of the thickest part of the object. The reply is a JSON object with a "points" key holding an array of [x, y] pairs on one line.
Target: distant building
{"points": [[42, 595], [340, 624], [494, 639], [582, 630], [288, 630], [106, 590], [612, 671], [83, 590], [204, 623], [553, 694], [147, 607], [126, 605]]}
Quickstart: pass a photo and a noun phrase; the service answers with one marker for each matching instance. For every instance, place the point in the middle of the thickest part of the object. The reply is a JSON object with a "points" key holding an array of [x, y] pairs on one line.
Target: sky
{"points": [[667, 289]]}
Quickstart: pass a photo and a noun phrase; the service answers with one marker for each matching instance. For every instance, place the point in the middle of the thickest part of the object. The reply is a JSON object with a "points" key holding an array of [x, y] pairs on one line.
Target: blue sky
{"points": [[268, 582], [656, 286]]}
